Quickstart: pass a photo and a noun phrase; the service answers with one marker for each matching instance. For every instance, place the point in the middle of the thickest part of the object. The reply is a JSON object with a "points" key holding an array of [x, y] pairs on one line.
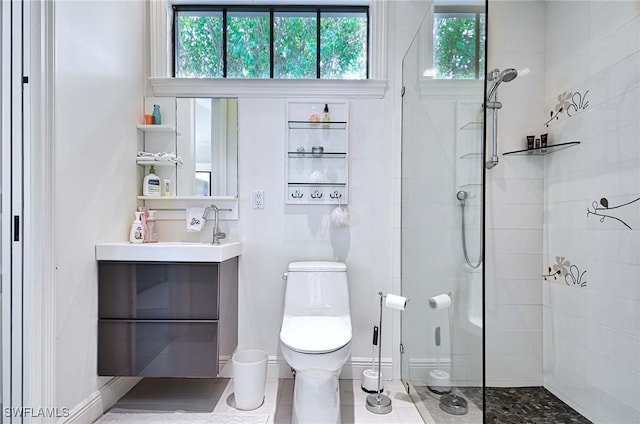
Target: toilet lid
{"points": [[315, 334]]}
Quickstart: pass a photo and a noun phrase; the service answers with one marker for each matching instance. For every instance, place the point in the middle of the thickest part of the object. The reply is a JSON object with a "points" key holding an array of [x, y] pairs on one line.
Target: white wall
{"points": [[514, 190], [99, 85], [592, 333]]}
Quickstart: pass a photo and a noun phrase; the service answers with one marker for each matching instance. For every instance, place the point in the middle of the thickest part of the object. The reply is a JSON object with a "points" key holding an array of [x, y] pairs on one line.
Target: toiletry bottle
{"points": [[151, 186], [166, 187], [152, 233], [136, 235], [326, 117], [144, 216], [157, 118]]}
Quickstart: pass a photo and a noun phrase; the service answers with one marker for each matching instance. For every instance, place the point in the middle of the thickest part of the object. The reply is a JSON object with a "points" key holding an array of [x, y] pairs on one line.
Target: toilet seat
{"points": [[315, 334]]}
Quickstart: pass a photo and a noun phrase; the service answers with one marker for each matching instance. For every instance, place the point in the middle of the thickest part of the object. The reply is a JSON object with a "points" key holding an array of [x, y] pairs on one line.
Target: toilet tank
{"points": [[316, 288]]}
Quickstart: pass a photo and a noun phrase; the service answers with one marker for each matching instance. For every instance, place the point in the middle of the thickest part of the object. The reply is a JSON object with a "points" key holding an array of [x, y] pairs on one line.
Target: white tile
{"points": [[616, 46], [506, 266], [514, 241], [514, 318], [514, 217], [515, 191], [514, 292], [514, 368], [612, 379]]}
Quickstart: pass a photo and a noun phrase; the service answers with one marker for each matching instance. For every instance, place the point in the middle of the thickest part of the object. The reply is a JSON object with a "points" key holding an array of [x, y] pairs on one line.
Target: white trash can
{"points": [[249, 378]]}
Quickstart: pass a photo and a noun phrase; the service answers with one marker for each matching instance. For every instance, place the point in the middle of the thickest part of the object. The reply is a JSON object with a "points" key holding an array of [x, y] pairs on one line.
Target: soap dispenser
{"points": [[136, 235], [151, 186]]}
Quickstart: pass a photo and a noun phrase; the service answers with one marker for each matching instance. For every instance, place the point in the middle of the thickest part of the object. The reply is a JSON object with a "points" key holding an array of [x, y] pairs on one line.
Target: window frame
{"points": [[460, 11], [271, 9]]}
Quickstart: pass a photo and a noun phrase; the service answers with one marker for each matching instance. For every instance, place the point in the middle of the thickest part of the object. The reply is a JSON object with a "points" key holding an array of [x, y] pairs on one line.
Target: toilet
{"points": [[315, 337]]}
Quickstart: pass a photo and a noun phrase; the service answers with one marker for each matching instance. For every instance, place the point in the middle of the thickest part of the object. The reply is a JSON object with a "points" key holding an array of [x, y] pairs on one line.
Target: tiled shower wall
{"points": [[592, 308], [514, 188]]}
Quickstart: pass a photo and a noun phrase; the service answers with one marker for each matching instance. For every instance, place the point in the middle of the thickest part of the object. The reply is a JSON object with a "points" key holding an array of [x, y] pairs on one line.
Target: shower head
{"points": [[508, 74], [498, 77]]}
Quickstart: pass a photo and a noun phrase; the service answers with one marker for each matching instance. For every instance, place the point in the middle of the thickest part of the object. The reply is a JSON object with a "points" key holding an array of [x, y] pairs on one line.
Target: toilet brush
{"points": [[370, 376]]}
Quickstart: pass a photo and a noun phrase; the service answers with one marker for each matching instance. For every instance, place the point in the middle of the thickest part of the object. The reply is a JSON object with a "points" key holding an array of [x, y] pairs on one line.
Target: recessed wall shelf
{"points": [[542, 152], [156, 128]]}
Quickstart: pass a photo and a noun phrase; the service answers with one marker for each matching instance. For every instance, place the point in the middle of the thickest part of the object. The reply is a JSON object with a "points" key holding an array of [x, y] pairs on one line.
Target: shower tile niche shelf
{"points": [[316, 154], [542, 152]]}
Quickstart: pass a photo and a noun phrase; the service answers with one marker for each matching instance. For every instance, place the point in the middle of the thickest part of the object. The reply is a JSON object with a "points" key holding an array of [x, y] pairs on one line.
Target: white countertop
{"points": [[168, 251]]}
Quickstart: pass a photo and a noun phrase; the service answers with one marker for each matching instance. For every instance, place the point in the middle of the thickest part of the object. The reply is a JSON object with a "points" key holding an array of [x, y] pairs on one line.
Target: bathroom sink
{"points": [[168, 251]]}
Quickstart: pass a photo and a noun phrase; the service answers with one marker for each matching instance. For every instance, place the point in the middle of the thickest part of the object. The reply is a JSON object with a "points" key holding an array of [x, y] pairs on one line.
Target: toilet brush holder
{"points": [[439, 382], [370, 376], [370, 381]]}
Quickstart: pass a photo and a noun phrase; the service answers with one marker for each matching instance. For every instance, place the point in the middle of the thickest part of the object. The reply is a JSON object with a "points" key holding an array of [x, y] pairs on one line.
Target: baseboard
{"points": [[278, 368], [101, 400]]}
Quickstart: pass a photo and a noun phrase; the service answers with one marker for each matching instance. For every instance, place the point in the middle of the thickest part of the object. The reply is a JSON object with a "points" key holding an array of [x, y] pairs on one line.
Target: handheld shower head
{"points": [[497, 77]]}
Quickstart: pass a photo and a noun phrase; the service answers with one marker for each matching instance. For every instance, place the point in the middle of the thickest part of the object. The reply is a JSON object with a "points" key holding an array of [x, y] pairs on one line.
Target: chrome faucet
{"points": [[217, 233]]}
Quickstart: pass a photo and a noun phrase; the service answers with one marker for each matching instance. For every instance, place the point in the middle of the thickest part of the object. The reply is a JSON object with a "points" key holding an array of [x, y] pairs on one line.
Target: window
{"points": [[271, 42], [458, 42]]}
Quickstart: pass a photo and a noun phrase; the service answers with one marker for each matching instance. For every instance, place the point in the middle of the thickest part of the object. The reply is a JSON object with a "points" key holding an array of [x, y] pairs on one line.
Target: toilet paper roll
{"points": [[440, 301], [395, 302]]}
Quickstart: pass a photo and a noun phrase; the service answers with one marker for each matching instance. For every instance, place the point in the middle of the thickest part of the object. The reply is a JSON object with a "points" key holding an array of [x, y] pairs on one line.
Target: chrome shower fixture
{"points": [[498, 77], [491, 102]]}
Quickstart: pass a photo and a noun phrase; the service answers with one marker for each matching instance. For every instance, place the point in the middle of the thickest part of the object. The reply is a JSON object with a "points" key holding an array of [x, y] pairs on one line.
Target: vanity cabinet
{"points": [[166, 319], [317, 153]]}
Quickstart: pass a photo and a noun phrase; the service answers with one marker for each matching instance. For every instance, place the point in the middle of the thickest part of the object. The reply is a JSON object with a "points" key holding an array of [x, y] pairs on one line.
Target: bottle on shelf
{"points": [[136, 234], [157, 117], [151, 185], [152, 233], [326, 117]]}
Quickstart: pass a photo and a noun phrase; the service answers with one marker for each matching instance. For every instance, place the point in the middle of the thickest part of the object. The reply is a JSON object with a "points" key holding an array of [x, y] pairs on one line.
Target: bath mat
{"points": [[179, 417]]}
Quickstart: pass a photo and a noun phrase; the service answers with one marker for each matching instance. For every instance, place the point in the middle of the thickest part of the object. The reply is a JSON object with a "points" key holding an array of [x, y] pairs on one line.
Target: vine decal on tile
{"points": [[564, 268], [569, 103], [600, 208]]}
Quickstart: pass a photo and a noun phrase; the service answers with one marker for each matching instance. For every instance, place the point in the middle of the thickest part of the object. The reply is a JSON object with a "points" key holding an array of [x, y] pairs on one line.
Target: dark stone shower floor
{"points": [[508, 405], [523, 405]]}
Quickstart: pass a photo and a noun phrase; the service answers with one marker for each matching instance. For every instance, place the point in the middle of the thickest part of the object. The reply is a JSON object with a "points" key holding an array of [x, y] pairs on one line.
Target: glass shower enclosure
{"points": [[442, 222]]}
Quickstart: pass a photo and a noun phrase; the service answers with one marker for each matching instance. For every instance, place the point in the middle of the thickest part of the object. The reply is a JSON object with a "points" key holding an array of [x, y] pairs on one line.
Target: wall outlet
{"points": [[258, 199]]}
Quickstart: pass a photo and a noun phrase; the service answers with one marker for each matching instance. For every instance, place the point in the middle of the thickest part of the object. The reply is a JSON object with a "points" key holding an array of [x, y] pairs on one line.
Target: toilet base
{"points": [[316, 398]]}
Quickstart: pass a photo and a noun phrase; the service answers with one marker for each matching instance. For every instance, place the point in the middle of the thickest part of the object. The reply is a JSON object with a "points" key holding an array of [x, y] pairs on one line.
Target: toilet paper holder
{"points": [[379, 403]]}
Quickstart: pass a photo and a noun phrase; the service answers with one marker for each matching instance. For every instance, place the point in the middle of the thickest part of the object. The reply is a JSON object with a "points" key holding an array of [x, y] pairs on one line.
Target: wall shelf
{"points": [[317, 125], [156, 163], [542, 152], [156, 128], [330, 155], [316, 154]]}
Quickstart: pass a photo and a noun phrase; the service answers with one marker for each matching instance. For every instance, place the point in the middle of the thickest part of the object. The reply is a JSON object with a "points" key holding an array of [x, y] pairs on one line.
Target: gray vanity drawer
{"points": [[152, 348], [156, 290]]}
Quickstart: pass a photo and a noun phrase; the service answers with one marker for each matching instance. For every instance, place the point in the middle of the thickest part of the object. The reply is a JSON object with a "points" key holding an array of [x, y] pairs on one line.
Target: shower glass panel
{"points": [[442, 183]]}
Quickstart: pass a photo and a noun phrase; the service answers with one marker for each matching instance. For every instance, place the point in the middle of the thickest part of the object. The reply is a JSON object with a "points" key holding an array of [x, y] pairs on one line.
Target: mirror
{"points": [[207, 142]]}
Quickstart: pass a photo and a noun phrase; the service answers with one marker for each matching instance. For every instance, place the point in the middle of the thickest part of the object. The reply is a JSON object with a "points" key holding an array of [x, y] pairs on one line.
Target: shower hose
{"points": [[462, 196]]}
